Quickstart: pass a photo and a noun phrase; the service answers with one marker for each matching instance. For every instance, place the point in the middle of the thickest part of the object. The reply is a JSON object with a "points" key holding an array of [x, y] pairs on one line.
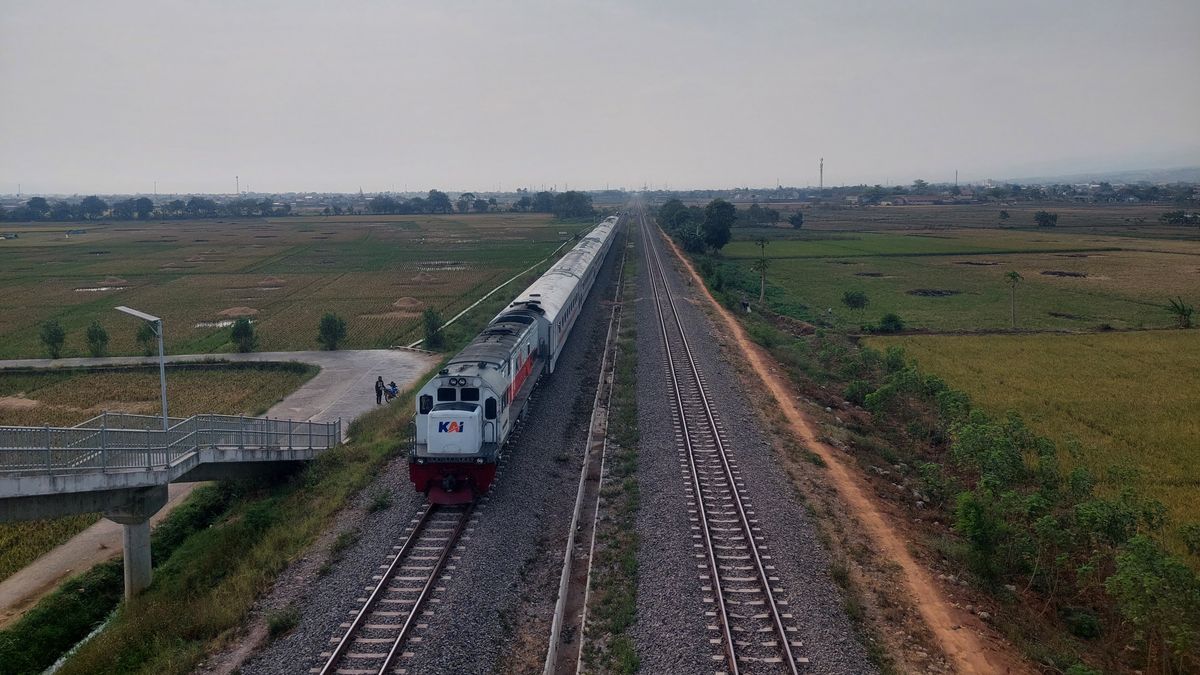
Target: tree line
{"points": [[141, 208], [569, 204]]}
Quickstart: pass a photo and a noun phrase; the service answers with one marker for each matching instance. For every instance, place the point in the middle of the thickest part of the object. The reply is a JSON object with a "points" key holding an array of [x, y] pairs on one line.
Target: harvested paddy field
{"points": [[1129, 399], [64, 398], [283, 274]]}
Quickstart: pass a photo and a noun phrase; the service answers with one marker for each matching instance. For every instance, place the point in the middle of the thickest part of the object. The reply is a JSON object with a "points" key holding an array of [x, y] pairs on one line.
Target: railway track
{"points": [[374, 640], [746, 619]]}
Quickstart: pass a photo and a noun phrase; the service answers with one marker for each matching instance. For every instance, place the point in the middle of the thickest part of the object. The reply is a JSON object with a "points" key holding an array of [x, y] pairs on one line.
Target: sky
{"points": [[109, 97]]}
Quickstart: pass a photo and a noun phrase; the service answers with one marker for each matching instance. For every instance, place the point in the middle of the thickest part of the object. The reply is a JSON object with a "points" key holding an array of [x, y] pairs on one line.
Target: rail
{"points": [[117, 441]]}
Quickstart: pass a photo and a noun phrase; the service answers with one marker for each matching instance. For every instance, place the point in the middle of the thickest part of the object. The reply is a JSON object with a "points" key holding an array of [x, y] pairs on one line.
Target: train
{"points": [[466, 413]]}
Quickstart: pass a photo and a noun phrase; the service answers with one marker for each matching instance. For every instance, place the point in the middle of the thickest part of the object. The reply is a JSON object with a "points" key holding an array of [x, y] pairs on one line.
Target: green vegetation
{"points": [[67, 397], [433, 328], [97, 340], [243, 335], [53, 336], [613, 609], [1124, 398], [331, 331]]}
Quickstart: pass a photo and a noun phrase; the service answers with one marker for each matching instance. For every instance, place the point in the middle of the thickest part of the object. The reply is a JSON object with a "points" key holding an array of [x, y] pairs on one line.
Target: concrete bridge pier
{"points": [[134, 517]]}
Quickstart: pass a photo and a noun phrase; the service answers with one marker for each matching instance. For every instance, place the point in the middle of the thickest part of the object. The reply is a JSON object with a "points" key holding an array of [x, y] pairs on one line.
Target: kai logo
{"points": [[451, 427]]}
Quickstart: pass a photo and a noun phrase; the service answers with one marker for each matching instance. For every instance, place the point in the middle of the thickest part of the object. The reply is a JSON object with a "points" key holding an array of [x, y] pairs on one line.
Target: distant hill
{"points": [[1187, 174]]}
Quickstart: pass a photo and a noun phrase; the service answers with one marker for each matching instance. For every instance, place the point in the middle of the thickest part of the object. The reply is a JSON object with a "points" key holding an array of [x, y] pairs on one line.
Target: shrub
{"points": [[433, 329], [53, 336], [855, 300], [243, 335], [331, 331], [97, 339], [282, 620], [856, 391], [146, 339], [890, 323]]}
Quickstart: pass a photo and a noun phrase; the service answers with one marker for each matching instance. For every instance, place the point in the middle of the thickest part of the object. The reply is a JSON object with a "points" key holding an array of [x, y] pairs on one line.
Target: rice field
{"points": [[378, 273], [64, 398], [954, 279], [1129, 399]]}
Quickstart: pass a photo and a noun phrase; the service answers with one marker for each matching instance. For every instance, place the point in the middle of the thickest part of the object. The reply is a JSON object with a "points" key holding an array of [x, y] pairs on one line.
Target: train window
{"points": [[470, 394], [426, 404], [489, 409], [447, 394]]}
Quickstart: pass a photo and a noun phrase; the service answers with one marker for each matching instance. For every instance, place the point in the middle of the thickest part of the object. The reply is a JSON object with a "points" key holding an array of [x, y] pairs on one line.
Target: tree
{"points": [[433, 328], [53, 336], [201, 207], [62, 211], [543, 202], [243, 335], [464, 201], [38, 207], [1181, 311], [719, 217], [124, 209], [144, 207], [760, 266], [439, 202], [92, 207], [797, 219], [382, 204], [146, 338], [890, 323], [523, 204], [573, 204], [1013, 277], [175, 208], [331, 331], [481, 205], [919, 186], [1046, 219], [857, 300], [97, 339]]}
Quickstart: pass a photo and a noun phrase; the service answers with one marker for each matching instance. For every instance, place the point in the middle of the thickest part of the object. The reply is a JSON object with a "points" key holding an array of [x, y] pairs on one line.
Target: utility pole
{"points": [[237, 182], [821, 180]]}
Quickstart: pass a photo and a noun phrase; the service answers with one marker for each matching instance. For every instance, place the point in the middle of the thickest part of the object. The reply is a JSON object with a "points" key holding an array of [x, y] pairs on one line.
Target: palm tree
{"points": [[1014, 277], [1183, 313]]}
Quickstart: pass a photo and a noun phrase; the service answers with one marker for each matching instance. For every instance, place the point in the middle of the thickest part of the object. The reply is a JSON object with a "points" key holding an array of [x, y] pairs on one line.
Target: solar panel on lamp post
{"points": [[157, 324]]}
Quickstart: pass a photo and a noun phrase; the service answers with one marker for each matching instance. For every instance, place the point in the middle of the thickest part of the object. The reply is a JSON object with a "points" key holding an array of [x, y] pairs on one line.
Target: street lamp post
{"points": [[156, 323]]}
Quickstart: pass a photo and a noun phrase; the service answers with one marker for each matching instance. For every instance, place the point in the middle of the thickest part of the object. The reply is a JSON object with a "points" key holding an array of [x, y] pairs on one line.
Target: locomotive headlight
{"points": [[479, 460]]}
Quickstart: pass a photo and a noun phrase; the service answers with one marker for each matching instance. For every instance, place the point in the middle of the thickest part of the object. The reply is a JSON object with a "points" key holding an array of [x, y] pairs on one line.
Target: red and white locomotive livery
{"points": [[466, 413]]}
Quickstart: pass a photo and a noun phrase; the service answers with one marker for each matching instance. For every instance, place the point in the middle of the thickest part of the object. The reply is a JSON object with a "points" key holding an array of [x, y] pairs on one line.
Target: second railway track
{"points": [[748, 621], [374, 640]]}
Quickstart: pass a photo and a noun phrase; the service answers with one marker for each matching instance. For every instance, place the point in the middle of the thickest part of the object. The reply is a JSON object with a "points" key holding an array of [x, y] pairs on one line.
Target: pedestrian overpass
{"points": [[120, 465]]}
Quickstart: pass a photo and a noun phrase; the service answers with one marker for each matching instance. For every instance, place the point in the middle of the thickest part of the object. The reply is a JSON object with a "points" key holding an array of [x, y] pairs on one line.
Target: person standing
{"points": [[379, 391]]}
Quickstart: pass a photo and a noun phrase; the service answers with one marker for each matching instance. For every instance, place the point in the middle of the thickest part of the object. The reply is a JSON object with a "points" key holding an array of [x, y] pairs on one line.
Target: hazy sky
{"points": [[110, 96]]}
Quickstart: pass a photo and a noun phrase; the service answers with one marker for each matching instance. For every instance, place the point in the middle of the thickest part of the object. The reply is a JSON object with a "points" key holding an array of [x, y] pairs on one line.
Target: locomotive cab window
{"points": [[489, 409], [426, 404], [447, 394], [470, 394]]}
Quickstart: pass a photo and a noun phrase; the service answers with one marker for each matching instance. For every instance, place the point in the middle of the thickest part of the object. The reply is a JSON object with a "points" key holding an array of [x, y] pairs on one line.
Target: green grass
{"points": [[610, 647], [1129, 399], [68, 397], [290, 271]]}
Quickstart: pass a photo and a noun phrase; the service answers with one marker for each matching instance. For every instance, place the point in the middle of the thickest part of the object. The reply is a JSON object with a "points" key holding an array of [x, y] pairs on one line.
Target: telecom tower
{"points": [[821, 180]]}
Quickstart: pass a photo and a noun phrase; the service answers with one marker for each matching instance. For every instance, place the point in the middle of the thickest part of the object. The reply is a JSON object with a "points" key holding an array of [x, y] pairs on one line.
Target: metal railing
{"points": [[119, 441]]}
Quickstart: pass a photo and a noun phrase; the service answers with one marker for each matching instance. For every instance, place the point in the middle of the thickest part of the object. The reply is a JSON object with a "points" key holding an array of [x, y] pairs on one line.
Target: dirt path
{"points": [[959, 634], [342, 389]]}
